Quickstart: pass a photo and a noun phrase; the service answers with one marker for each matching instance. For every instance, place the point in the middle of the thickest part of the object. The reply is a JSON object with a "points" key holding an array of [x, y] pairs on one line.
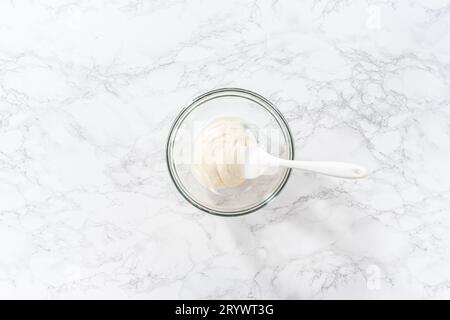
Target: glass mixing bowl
{"points": [[267, 124]]}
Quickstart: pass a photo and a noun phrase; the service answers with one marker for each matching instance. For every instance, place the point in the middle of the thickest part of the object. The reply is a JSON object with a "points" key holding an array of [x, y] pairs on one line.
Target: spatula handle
{"points": [[329, 168]]}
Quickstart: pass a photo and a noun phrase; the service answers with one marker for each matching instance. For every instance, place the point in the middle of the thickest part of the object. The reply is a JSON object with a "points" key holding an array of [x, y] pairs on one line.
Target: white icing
{"points": [[219, 154]]}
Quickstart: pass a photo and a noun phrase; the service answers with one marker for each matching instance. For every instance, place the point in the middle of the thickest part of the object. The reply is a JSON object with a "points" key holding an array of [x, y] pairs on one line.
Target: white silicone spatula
{"points": [[258, 162]]}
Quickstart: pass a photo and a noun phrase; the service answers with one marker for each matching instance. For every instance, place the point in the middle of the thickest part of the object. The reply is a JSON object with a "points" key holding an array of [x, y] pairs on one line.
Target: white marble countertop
{"points": [[88, 92]]}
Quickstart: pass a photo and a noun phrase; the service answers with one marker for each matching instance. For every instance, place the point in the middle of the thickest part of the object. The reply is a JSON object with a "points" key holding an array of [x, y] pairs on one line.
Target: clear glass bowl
{"points": [[268, 125]]}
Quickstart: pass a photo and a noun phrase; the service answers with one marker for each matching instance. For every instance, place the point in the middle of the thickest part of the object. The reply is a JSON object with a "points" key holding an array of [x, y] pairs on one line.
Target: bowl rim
{"points": [[176, 124]]}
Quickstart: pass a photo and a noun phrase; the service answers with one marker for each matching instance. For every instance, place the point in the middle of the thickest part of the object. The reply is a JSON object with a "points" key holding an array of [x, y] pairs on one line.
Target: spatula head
{"points": [[257, 163]]}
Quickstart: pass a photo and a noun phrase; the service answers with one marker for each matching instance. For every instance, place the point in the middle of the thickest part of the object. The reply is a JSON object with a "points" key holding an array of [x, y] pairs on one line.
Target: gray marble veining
{"points": [[88, 92]]}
